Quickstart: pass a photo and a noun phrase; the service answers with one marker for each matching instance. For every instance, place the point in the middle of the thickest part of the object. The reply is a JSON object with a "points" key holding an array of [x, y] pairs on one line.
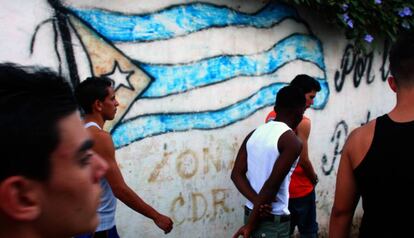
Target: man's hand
{"points": [[315, 179], [244, 231], [265, 210], [164, 223]]}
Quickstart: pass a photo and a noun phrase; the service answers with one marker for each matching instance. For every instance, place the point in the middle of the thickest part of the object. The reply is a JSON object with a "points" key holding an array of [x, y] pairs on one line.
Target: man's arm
{"points": [[289, 147], [104, 146], [346, 194], [303, 131], [238, 174]]}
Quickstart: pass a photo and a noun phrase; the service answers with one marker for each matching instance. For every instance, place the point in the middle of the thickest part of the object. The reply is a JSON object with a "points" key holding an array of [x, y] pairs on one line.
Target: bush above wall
{"points": [[366, 21]]}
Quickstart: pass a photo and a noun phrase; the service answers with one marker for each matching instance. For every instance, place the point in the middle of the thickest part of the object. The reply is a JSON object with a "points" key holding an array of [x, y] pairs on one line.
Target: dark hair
{"points": [[32, 102], [306, 83], [290, 97], [402, 59], [90, 90]]}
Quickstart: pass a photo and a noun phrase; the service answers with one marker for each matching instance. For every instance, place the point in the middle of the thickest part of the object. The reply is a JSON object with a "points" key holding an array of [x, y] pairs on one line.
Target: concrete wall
{"points": [[193, 79]]}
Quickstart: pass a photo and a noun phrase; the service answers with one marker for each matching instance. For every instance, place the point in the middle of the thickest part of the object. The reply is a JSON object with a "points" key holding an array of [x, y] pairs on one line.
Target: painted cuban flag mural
{"points": [[192, 79], [163, 62]]}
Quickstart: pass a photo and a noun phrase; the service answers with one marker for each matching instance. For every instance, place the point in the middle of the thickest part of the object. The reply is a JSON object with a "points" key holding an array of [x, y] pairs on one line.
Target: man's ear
{"points": [[392, 83], [97, 105], [20, 198]]}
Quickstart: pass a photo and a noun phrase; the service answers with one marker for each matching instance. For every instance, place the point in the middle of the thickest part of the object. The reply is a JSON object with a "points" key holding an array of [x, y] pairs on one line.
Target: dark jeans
{"points": [[276, 227], [303, 215], [111, 233]]}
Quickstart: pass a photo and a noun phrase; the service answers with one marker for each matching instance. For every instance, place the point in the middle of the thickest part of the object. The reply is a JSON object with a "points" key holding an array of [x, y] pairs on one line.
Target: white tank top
{"points": [[262, 153], [92, 123], [107, 207]]}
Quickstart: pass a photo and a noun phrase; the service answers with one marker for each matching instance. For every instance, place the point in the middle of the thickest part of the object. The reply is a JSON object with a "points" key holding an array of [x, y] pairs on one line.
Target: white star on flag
{"points": [[120, 78]]}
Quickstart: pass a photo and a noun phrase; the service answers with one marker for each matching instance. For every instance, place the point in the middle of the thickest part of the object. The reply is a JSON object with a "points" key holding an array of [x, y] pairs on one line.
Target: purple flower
{"points": [[378, 2], [406, 11], [350, 23], [345, 7], [345, 17], [406, 25], [368, 38], [348, 20]]}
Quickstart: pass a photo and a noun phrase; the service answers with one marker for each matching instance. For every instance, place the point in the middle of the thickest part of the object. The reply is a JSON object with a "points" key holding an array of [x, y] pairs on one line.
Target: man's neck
{"points": [[98, 119], [285, 119], [403, 110]]}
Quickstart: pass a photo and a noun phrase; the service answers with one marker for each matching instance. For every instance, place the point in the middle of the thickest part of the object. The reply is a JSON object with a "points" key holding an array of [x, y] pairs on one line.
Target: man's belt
{"points": [[271, 217]]}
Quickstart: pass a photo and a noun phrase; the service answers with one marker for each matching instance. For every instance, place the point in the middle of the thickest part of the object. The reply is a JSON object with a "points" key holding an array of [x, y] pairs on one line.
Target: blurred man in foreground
{"points": [[49, 176]]}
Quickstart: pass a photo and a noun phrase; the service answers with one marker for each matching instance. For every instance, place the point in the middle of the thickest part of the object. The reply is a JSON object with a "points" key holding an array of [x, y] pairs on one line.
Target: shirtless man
{"points": [[376, 161], [96, 97]]}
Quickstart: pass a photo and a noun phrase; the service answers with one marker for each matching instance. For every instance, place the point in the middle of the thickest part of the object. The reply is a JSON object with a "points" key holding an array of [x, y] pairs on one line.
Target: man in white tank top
{"points": [[96, 96], [264, 164]]}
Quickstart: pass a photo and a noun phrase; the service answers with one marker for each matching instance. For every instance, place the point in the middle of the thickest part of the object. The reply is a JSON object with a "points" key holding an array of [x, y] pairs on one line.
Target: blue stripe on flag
{"points": [[172, 79], [178, 20], [143, 126]]}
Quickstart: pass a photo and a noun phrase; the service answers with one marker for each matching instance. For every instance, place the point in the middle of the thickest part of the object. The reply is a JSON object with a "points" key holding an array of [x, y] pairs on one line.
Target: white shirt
{"points": [[262, 153]]}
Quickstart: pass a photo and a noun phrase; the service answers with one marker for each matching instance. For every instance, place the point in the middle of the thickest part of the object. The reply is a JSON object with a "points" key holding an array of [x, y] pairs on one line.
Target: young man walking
{"points": [[96, 97]]}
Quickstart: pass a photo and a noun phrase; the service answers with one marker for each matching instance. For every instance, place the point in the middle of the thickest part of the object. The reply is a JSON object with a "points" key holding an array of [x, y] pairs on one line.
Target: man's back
{"points": [[272, 142], [262, 153], [381, 175], [376, 160]]}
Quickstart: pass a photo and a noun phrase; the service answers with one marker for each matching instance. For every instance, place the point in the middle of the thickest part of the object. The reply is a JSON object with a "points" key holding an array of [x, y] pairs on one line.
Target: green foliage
{"points": [[365, 21]]}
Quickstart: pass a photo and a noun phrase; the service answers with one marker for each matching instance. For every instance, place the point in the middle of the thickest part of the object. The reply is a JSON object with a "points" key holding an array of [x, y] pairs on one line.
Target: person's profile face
{"points": [[310, 97], [110, 104], [72, 192]]}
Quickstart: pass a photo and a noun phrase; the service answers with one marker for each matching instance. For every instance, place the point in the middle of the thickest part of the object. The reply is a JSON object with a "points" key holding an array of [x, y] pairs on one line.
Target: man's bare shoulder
{"points": [[100, 136], [305, 118], [305, 121], [289, 140], [363, 132], [359, 142], [303, 129]]}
